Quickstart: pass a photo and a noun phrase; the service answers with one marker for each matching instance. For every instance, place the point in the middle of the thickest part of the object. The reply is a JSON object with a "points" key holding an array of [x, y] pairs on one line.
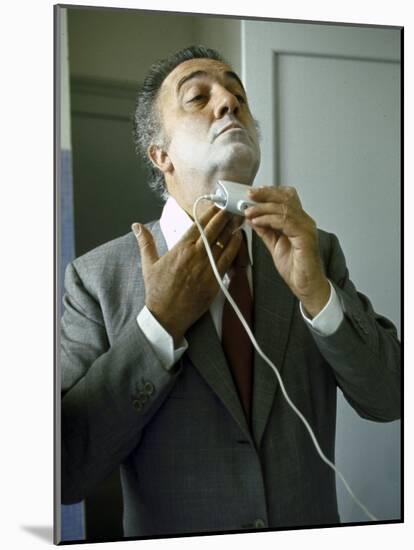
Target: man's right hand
{"points": [[180, 286]]}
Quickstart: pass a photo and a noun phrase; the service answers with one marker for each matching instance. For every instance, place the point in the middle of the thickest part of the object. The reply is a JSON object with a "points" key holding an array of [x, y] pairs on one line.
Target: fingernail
{"points": [[136, 228]]}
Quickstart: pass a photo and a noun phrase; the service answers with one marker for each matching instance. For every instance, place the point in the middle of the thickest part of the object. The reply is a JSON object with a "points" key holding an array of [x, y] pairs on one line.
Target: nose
{"points": [[226, 102]]}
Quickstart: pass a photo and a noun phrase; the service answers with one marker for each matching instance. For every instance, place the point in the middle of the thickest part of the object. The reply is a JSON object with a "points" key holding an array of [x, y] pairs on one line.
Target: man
{"points": [[149, 380]]}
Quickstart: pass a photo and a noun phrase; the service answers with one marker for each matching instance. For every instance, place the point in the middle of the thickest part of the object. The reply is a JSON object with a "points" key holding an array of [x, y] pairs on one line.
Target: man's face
{"points": [[210, 131]]}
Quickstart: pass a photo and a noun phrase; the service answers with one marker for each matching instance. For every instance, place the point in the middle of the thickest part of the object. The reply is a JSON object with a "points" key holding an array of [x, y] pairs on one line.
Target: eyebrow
{"points": [[198, 73]]}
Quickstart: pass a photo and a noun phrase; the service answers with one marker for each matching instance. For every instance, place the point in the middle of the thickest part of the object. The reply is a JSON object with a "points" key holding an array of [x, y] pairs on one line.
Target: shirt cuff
{"points": [[160, 340], [329, 318]]}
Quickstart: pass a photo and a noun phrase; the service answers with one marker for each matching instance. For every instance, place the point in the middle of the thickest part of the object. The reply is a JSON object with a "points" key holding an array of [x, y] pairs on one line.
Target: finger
{"points": [[215, 226], [229, 253], [278, 222], [222, 241], [268, 236], [271, 193], [267, 208], [145, 240], [192, 234]]}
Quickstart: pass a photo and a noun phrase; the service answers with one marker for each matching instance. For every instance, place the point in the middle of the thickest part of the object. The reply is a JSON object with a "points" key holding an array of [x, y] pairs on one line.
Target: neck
{"points": [[186, 192]]}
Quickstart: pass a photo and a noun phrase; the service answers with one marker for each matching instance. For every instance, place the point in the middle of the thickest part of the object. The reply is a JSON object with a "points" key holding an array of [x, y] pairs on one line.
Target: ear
{"points": [[160, 158]]}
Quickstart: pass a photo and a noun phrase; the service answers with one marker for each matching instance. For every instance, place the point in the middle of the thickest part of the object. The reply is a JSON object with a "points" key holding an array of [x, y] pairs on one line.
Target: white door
{"points": [[328, 102]]}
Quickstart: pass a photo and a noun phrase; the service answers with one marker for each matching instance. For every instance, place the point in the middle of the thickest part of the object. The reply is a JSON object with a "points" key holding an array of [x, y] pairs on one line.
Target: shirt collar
{"points": [[175, 221]]}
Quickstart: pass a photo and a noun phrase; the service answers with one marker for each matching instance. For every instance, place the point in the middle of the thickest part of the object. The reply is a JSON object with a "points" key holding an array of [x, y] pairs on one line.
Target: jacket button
{"points": [[142, 398], [259, 523], [137, 404], [148, 388]]}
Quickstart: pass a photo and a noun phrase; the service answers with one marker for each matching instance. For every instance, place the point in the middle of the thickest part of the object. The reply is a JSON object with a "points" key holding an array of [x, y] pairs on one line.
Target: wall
{"points": [[223, 34], [119, 44]]}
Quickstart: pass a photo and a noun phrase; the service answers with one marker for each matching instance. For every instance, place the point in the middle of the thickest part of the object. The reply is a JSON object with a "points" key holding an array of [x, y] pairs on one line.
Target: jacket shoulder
{"points": [[114, 249], [109, 263], [328, 243]]}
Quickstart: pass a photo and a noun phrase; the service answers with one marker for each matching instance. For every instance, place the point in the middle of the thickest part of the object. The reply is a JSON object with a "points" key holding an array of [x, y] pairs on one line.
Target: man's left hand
{"points": [[291, 237]]}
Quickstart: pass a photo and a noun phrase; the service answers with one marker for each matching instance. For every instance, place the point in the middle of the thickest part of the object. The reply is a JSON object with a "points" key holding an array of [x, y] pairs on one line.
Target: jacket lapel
{"points": [[273, 310], [207, 356]]}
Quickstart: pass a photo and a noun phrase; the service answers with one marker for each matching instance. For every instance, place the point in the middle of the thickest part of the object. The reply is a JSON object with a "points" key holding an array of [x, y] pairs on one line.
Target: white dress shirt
{"points": [[174, 222]]}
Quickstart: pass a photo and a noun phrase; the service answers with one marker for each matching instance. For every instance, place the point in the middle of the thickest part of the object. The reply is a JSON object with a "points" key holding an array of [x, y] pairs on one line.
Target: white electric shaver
{"points": [[232, 196]]}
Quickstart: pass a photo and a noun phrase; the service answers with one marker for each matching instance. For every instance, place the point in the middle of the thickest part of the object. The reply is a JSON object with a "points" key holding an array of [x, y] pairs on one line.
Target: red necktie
{"points": [[236, 343]]}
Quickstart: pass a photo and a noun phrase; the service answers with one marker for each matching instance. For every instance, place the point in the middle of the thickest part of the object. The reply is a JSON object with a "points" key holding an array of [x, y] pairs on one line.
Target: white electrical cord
{"points": [[215, 198]]}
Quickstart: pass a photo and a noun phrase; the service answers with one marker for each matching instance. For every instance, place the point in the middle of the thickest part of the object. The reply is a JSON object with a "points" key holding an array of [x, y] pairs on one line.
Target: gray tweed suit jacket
{"points": [[188, 460]]}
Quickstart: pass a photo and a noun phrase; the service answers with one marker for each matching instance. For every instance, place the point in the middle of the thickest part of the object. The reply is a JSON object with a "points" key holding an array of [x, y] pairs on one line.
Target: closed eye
{"points": [[201, 97], [197, 98]]}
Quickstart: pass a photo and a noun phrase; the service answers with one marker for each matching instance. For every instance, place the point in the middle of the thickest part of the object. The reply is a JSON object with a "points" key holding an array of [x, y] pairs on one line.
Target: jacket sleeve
{"points": [[109, 392], [364, 352]]}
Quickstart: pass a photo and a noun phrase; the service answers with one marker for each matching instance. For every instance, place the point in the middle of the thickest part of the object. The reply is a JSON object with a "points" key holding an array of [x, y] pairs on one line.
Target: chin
{"points": [[241, 168]]}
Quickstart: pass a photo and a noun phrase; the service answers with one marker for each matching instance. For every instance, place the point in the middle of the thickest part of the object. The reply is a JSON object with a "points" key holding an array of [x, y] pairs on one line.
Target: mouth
{"points": [[237, 129], [231, 127]]}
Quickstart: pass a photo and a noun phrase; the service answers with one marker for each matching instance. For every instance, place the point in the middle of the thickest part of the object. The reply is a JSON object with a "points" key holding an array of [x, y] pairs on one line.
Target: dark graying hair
{"points": [[147, 125]]}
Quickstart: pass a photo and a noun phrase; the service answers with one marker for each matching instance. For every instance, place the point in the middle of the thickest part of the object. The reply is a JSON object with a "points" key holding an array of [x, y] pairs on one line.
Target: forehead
{"points": [[214, 69]]}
